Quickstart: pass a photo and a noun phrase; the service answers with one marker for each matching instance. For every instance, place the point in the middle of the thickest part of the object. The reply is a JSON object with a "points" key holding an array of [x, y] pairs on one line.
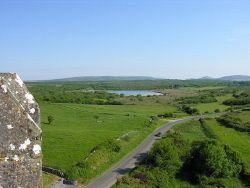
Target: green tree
{"points": [[165, 155], [210, 159], [50, 119]]}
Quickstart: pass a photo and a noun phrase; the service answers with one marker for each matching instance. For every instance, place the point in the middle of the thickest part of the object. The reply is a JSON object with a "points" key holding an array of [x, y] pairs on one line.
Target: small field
{"points": [[77, 129], [190, 130], [211, 107]]}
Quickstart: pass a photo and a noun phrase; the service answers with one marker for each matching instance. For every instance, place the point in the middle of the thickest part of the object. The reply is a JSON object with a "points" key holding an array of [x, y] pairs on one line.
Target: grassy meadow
{"points": [[211, 107], [83, 122], [77, 129], [239, 141]]}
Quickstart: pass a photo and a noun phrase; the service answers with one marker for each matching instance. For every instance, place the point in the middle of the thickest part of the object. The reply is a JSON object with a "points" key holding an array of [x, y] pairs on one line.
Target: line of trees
{"points": [[231, 121]]}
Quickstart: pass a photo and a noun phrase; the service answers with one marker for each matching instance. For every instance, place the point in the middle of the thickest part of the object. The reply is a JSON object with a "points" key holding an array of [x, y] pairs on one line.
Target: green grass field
{"points": [[190, 130], [75, 131], [210, 107], [239, 141]]}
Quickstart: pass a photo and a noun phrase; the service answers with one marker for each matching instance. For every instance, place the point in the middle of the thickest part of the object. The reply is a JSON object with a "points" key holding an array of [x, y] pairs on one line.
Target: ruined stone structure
{"points": [[20, 135]]}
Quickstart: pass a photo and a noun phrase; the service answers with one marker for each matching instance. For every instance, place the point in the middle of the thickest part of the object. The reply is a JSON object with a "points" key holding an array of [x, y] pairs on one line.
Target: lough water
{"points": [[135, 92]]}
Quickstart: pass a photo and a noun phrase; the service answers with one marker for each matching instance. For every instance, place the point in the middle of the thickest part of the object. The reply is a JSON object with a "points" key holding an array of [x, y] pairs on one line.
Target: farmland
{"points": [[75, 131], [91, 129]]}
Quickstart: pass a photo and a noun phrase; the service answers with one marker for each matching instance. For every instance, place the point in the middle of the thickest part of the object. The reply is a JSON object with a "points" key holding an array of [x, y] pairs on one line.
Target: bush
{"points": [[154, 177], [190, 110], [50, 119], [164, 155], [211, 160], [233, 122], [206, 130], [112, 145], [126, 180], [217, 110], [240, 101]]}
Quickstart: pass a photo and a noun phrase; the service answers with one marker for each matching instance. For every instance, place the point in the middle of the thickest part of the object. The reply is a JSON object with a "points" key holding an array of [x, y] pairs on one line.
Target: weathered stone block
{"points": [[20, 135]]}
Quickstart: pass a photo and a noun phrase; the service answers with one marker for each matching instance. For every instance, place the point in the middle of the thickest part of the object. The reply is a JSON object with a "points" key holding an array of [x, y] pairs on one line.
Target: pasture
{"points": [[211, 107], [77, 129], [190, 130]]}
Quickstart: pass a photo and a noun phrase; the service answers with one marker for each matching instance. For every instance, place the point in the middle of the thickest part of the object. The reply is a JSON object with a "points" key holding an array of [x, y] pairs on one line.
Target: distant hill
{"points": [[206, 78], [236, 78], [228, 78], [103, 78]]}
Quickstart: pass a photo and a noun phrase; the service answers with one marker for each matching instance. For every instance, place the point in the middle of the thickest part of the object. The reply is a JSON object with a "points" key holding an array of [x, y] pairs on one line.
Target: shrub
{"points": [[126, 180], [112, 145], [164, 155], [217, 110], [189, 110], [155, 177], [50, 119], [210, 159], [234, 122]]}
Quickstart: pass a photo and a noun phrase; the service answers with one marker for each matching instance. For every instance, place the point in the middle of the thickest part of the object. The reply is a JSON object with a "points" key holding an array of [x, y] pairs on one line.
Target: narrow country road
{"points": [[108, 178]]}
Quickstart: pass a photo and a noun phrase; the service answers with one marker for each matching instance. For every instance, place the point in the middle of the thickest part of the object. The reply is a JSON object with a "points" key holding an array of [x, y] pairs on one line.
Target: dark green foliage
{"points": [[234, 122], [50, 119], [166, 115], [155, 177], [112, 145], [199, 99], [209, 159], [189, 110], [72, 94], [240, 98], [126, 180], [206, 164], [246, 174], [238, 101], [217, 110], [240, 95], [207, 131], [165, 155]]}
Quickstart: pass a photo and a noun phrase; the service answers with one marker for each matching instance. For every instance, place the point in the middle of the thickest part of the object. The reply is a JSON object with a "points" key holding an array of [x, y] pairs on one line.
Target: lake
{"points": [[135, 92]]}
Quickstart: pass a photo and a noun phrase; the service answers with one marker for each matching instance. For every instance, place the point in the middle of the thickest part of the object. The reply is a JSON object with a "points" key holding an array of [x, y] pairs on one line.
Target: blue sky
{"points": [[44, 39]]}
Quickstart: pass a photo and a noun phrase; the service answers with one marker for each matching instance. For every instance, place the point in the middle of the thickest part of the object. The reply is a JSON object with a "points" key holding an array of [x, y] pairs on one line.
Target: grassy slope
{"points": [[210, 107], [75, 131]]}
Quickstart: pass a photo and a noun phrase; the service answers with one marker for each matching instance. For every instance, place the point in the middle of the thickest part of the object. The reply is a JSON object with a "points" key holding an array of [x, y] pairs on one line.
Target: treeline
{"points": [[131, 85], [206, 130], [233, 122], [189, 110], [241, 98], [237, 101], [198, 99], [203, 163], [60, 95]]}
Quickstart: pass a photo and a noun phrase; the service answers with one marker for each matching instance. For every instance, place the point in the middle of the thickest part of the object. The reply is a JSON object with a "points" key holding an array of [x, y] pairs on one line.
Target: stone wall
{"points": [[20, 135]]}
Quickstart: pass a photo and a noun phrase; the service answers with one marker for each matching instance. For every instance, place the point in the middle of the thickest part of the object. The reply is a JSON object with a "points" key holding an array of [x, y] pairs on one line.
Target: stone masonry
{"points": [[20, 135]]}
